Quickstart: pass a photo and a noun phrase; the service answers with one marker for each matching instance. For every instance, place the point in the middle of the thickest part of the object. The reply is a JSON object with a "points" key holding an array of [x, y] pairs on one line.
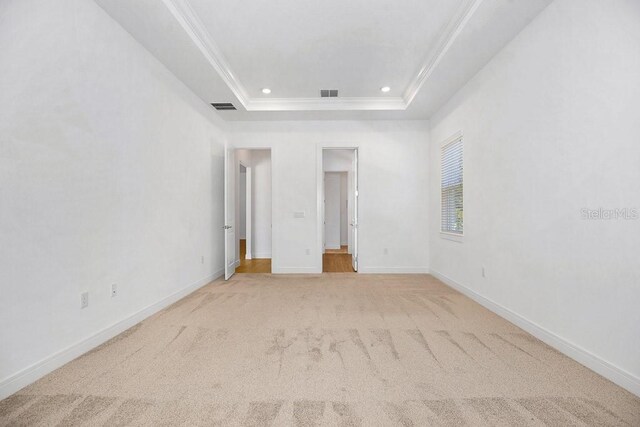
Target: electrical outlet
{"points": [[84, 300], [202, 259], [386, 251], [114, 290], [308, 251], [483, 272]]}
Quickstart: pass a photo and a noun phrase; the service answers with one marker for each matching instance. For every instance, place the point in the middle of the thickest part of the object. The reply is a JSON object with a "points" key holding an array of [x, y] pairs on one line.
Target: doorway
{"points": [[250, 208], [339, 200]]}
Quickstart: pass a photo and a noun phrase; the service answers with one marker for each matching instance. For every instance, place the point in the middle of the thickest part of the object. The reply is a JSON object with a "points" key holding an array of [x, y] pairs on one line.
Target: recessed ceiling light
{"points": [[266, 91], [385, 89]]}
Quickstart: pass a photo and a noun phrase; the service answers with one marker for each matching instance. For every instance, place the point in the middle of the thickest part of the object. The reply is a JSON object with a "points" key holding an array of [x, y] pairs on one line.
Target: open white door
{"points": [[229, 214], [354, 223]]}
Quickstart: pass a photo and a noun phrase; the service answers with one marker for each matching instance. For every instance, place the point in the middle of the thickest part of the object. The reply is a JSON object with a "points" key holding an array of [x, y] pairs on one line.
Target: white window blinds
{"points": [[451, 188]]}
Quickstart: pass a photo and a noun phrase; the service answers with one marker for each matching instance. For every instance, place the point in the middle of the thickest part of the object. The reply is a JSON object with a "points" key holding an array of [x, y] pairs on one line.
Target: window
{"points": [[451, 187]]}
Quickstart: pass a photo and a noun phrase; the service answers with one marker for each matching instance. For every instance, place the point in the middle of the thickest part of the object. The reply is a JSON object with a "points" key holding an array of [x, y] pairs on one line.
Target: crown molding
{"points": [[451, 32], [195, 29], [324, 104], [189, 21]]}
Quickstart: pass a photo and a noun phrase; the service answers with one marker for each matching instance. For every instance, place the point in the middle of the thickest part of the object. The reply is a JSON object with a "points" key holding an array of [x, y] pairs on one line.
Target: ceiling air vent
{"points": [[223, 106], [328, 93]]}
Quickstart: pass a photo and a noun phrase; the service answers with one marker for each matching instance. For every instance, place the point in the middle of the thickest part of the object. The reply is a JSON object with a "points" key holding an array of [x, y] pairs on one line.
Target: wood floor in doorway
{"points": [[336, 263], [259, 265], [343, 250]]}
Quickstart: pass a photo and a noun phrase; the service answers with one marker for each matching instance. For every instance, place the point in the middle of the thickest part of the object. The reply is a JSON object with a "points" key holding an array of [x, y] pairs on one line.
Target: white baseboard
{"points": [[393, 270], [32, 373], [613, 373], [331, 247], [262, 255]]}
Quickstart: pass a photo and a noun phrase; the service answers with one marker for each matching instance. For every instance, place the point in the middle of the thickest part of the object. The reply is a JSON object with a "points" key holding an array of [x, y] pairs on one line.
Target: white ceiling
{"points": [[227, 51], [296, 47]]}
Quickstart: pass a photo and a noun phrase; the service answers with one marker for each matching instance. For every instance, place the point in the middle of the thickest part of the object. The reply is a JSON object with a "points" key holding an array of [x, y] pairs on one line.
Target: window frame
{"points": [[449, 235]]}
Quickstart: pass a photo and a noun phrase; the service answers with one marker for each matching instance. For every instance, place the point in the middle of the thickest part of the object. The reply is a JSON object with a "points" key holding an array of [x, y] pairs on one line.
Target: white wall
{"points": [[111, 172], [332, 209], [242, 204], [393, 194], [337, 160], [344, 212], [551, 125], [261, 203]]}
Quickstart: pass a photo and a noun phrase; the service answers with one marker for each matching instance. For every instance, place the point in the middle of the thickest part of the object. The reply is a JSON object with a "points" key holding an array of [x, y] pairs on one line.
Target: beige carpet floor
{"points": [[336, 349]]}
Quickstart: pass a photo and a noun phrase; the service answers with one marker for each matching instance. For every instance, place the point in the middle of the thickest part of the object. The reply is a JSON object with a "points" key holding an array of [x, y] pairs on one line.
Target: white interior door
{"points": [[229, 214], [354, 223]]}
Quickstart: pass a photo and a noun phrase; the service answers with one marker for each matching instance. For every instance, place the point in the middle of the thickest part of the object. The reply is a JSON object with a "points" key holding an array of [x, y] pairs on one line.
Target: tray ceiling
{"points": [[229, 51]]}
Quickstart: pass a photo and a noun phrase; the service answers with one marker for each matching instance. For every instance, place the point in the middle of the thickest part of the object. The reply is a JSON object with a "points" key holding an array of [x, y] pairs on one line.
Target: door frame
{"points": [[272, 151], [248, 209], [320, 196]]}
